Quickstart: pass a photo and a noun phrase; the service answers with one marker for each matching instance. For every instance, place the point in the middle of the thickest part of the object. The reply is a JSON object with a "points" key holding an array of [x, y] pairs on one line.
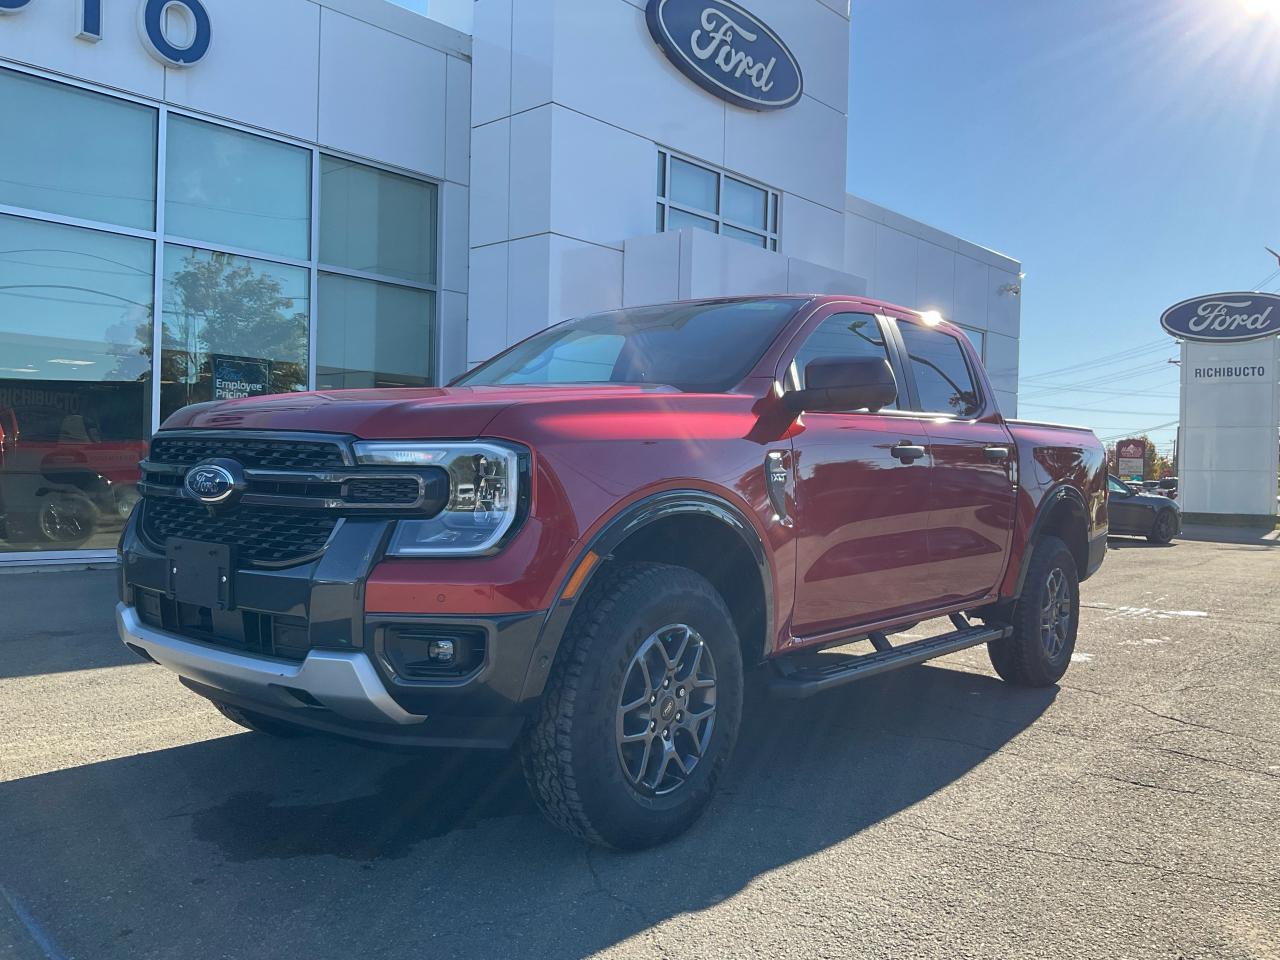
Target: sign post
{"points": [[1131, 459]]}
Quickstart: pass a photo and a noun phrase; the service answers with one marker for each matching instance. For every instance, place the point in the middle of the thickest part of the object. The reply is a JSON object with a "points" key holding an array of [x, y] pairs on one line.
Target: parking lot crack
{"points": [[1163, 869]]}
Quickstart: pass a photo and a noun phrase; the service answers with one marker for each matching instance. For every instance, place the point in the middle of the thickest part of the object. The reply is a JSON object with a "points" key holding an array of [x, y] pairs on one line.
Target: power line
{"points": [[1105, 360]]}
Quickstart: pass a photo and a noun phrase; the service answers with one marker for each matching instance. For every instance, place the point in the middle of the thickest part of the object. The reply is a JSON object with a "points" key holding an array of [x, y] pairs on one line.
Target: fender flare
{"points": [[642, 513], [1055, 496]]}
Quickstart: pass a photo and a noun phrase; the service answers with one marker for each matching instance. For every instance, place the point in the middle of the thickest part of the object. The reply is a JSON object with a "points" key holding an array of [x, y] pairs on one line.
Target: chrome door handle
{"points": [[908, 452], [996, 454]]}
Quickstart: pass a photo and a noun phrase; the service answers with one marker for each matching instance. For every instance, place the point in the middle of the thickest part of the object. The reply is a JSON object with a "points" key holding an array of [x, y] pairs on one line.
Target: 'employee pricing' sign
{"points": [[235, 378]]}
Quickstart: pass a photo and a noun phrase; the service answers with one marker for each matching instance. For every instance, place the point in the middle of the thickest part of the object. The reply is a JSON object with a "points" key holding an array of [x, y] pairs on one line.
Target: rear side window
{"points": [[942, 373], [841, 335]]}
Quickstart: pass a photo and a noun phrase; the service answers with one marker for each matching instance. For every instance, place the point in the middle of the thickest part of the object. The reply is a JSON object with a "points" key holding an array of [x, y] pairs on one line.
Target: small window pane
{"points": [[746, 236], [693, 186], [942, 374], [841, 335], [233, 327], [75, 347], [227, 187], [662, 174], [678, 220], [978, 339], [745, 204], [377, 222], [372, 334], [661, 225], [75, 153]]}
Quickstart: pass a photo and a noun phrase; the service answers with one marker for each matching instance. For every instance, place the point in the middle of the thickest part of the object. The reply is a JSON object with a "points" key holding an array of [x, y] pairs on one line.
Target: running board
{"points": [[796, 682]]}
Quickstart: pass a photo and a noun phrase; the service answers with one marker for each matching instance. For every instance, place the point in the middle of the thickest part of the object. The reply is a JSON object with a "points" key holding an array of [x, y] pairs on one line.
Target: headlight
{"points": [[485, 494]]}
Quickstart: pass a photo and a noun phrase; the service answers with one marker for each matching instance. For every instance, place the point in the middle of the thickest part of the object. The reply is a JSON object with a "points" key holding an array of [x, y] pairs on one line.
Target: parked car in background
{"points": [[1139, 513], [1169, 487]]}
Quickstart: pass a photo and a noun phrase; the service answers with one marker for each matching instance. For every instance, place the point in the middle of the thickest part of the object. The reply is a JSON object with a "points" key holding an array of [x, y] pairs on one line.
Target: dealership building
{"points": [[203, 199]]}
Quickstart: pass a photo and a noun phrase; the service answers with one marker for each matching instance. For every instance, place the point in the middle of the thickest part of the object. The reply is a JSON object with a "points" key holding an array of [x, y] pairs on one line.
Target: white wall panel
{"points": [[717, 266], [370, 82], [244, 76], [936, 282], [806, 277], [812, 232], [43, 34], [533, 52], [651, 269], [860, 245], [801, 150], [487, 309], [603, 180], [1007, 402], [491, 61], [819, 37], [1004, 308], [607, 66], [1002, 362], [490, 182], [528, 289], [453, 335], [457, 136], [585, 278], [454, 234], [897, 264], [972, 292], [531, 173]]}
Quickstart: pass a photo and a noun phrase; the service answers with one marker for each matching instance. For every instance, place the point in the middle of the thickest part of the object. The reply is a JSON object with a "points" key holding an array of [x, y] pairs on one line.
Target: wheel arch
{"points": [[1061, 514], [690, 528]]}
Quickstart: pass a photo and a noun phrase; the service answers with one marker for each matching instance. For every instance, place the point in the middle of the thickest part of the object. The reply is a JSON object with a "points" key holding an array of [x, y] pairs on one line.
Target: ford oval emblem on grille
{"points": [[215, 481]]}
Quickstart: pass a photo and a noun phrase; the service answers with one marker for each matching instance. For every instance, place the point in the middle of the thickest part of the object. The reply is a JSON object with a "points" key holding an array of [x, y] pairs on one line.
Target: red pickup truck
{"points": [[584, 544]]}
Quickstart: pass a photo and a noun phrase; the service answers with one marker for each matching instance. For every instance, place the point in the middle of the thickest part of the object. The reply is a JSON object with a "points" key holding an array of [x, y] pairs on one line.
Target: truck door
{"points": [[974, 464], [862, 495]]}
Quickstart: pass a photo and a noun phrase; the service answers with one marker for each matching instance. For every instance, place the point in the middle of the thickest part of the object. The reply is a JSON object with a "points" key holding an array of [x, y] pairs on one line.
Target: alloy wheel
{"points": [[1055, 613], [667, 709]]}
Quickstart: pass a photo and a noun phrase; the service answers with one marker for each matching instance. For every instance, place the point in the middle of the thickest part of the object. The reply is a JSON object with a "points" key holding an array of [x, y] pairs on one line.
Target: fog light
{"points": [[441, 651]]}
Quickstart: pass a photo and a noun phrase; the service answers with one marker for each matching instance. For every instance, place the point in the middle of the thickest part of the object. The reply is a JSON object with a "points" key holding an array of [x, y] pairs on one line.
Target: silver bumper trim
{"points": [[346, 683]]}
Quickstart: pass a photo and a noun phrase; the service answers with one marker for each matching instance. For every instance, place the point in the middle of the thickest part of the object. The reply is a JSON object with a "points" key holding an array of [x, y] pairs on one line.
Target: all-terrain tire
{"points": [[1164, 528], [570, 753], [259, 723], [1031, 656]]}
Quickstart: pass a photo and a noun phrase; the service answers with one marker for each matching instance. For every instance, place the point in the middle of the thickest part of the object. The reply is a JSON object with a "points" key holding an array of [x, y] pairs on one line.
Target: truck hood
{"points": [[390, 414]]}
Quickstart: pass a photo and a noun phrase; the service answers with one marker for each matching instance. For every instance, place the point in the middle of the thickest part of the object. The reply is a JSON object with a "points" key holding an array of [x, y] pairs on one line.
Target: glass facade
{"points": [[263, 259]]}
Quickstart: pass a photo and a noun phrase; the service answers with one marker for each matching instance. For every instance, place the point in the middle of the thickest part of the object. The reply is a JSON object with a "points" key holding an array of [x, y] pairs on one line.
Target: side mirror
{"points": [[836, 384]]}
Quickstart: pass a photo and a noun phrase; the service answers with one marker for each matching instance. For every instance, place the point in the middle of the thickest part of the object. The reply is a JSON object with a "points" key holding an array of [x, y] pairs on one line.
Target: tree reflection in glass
{"points": [[219, 306]]}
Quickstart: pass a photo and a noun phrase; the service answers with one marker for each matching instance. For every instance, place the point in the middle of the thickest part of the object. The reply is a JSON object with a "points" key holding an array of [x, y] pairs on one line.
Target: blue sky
{"points": [[1126, 151]]}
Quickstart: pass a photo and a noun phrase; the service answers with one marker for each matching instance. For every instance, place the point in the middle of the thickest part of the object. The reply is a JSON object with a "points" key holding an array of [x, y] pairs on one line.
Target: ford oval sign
{"points": [[1224, 317], [727, 51], [214, 481]]}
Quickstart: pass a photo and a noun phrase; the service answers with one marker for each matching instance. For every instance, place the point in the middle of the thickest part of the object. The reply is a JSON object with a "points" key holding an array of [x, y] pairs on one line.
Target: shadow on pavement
{"points": [[52, 622], [250, 846]]}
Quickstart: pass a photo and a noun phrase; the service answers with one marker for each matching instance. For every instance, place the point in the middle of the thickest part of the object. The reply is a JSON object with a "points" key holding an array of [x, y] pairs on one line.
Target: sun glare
{"points": [[1261, 8]]}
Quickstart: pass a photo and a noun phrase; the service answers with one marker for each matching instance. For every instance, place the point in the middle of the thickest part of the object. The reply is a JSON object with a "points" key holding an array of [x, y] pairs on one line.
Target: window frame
{"points": [[771, 233], [159, 239], [956, 334]]}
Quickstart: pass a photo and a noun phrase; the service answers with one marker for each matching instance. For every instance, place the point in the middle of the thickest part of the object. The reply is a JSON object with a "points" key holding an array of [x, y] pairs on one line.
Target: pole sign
{"points": [[153, 17], [727, 51], [1131, 458], [1224, 317]]}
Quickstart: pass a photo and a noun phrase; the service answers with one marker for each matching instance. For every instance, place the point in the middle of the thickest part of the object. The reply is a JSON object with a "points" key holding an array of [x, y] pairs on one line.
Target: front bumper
{"points": [[345, 683]]}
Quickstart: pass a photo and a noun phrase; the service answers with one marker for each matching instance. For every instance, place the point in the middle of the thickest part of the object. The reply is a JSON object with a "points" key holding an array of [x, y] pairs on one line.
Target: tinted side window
{"points": [[1117, 487], [941, 371], [841, 335]]}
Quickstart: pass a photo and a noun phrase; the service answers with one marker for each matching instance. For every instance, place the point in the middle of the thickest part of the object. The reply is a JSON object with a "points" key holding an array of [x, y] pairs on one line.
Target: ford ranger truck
{"points": [[585, 544]]}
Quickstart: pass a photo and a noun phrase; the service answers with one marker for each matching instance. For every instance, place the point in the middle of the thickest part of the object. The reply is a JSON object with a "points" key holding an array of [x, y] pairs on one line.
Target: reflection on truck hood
{"points": [[400, 413]]}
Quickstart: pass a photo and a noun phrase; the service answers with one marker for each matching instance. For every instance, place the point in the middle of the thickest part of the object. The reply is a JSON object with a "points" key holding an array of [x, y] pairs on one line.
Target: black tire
{"points": [[1037, 654], [259, 723], [1164, 528], [572, 754]]}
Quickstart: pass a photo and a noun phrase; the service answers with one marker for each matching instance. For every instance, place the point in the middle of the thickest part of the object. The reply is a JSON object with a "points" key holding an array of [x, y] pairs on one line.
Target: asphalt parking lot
{"points": [[1132, 812]]}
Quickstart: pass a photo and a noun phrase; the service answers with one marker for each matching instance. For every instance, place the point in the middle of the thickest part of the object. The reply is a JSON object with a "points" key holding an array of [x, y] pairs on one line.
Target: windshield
{"points": [[693, 347]]}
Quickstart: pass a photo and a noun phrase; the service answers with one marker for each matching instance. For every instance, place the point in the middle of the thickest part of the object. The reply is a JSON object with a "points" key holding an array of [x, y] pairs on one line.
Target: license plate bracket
{"points": [[201, 573]]}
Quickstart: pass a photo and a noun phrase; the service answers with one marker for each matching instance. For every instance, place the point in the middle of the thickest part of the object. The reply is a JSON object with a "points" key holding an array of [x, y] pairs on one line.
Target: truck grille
{"points": [[265, 454], [266, 535]]}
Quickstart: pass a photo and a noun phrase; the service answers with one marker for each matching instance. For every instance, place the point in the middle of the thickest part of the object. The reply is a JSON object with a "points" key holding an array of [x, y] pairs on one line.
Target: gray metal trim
{"points": [[346, 683]]}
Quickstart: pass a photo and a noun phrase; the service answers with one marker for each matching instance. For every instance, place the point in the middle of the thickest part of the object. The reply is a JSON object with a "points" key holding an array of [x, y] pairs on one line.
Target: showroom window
{"points": [[271, 266], [693, 195], [377, 277]]}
